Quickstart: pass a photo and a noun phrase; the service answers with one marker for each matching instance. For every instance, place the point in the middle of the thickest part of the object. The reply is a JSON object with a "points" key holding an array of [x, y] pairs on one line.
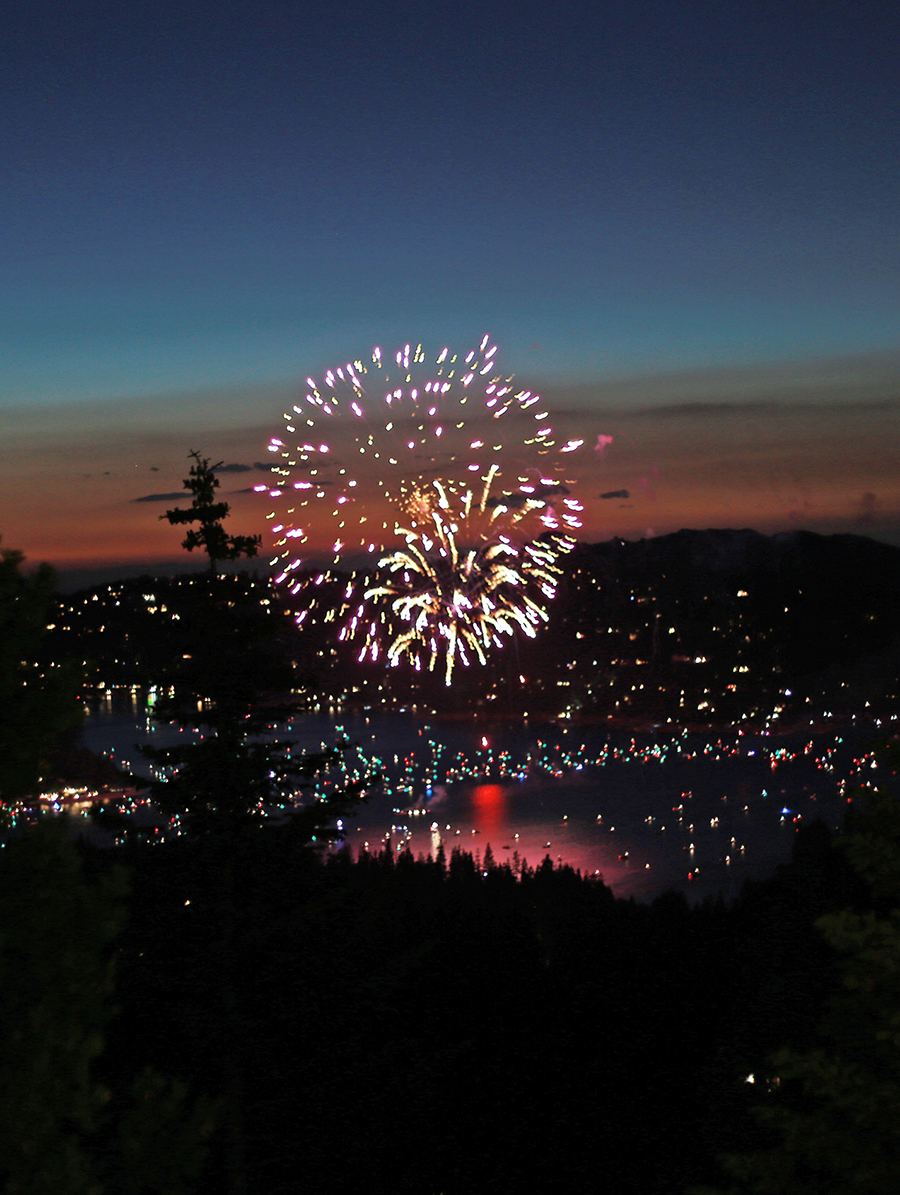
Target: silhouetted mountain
{"points": [[697, 626]]}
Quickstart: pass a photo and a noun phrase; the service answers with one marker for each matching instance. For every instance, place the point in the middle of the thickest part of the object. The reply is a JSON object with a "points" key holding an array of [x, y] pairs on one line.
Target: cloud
{"points": [[517, 501], [855, 380], [616, 494], [160, 497], [259, 466], [761, 407], [712, 408]]}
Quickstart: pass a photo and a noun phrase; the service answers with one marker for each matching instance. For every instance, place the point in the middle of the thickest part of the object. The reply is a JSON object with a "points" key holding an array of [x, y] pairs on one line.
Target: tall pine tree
{"points": [[205, 511]]}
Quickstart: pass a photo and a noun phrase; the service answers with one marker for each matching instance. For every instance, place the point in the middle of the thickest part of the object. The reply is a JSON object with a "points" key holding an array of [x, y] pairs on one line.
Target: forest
{"points": [[247, 1015]]}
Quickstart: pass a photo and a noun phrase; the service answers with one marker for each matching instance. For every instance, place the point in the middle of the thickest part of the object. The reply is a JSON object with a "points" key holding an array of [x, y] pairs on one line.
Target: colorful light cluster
{"points": [[444, 482]]}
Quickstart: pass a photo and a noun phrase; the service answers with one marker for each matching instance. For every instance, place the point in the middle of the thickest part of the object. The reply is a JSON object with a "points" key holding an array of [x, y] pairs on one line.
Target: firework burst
{"points": [[443, 482], [463, 580]]}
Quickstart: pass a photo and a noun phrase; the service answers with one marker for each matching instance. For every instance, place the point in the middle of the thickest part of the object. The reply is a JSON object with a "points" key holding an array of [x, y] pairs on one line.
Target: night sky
{"points": [[678, 220]]}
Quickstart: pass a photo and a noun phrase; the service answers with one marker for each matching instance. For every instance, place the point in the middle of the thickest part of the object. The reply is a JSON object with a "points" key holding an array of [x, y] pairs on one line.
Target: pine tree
{"points": [[229, 690], [210, 535]]}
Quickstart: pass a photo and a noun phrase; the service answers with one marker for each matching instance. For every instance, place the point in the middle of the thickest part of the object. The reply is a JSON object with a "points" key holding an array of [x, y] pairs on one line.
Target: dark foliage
{"points": [[73, 1119], [463, 1032], [38, 696], [828, 1105], [235, 683]]}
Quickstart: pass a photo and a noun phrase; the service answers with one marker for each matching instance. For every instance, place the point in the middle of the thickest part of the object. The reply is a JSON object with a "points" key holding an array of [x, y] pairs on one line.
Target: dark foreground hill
{"points": [[431, 1027]]}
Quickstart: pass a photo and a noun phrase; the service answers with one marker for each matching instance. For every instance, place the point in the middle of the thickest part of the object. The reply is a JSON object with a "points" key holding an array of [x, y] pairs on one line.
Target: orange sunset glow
{"points": [[85, 486]]}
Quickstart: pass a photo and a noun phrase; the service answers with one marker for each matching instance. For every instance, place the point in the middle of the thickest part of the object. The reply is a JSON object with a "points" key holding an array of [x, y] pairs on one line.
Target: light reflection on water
{"points": [[489, 808], [650, 811]]}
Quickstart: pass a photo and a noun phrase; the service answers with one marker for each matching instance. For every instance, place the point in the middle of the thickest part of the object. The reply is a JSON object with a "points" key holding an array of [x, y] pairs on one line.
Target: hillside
{"points": [[698, 626]]}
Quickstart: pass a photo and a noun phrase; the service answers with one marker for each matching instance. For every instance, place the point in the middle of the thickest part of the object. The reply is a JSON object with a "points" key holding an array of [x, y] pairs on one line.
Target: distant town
{"points": [[696, 629]]}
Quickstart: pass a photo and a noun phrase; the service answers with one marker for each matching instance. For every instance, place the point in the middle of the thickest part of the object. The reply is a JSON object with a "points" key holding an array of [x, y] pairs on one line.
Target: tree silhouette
{"points": [[231, 683], [210, 535], [62, 1129], [38, 698], [234, 688], [833, 1111]]}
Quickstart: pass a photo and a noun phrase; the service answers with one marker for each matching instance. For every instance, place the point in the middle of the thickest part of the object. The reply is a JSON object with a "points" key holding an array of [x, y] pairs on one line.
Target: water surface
{"points": [[698, 811]]}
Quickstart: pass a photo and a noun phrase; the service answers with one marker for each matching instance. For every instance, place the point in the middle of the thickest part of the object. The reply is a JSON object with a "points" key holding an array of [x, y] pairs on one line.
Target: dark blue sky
{"points": [[236, 194], [207, 193]]}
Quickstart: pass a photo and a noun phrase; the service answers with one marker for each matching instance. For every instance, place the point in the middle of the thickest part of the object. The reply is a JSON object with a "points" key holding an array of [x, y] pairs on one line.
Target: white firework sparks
{"points": [[444, 476]]}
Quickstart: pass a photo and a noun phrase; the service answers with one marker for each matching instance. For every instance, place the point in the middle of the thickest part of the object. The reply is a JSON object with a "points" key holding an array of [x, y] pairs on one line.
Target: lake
{"points": [[697, 811]]}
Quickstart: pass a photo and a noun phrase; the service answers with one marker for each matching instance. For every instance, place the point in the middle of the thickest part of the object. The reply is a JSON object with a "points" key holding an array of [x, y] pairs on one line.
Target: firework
{"points": [[462, 581], [444, 482]]}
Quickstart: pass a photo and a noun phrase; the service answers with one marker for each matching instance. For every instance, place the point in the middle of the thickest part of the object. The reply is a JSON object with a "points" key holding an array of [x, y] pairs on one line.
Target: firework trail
{"points": [[439, 480]]}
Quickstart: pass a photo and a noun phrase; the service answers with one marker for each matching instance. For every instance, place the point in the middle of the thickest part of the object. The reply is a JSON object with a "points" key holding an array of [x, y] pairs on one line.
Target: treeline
{"points": [[442, 1026]]}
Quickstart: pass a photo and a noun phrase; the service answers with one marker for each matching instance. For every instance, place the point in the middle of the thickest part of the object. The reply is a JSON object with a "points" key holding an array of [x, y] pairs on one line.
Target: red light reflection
{"points": [[489, 806]]}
